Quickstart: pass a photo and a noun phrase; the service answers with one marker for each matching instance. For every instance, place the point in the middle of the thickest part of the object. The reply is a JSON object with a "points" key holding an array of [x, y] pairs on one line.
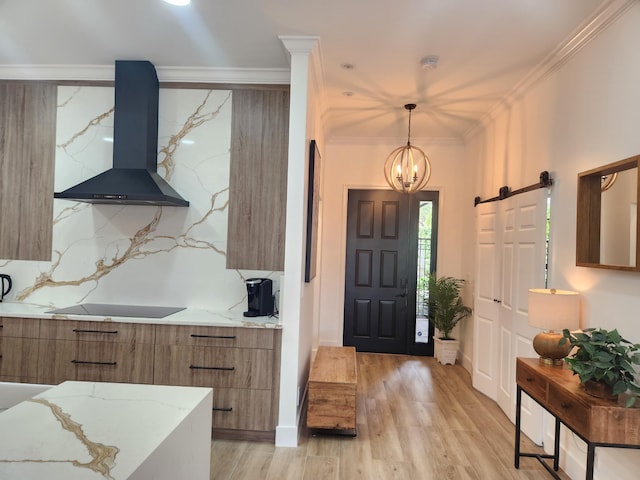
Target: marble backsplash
{"points": [[143, 255]]}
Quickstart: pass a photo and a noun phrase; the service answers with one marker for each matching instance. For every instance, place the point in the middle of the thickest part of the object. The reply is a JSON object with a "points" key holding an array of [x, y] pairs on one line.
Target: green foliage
{"points": [[445, 304], [604, 356]]}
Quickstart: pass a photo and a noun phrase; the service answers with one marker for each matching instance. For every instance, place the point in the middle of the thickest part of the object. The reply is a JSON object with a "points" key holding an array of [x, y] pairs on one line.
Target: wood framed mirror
{"points": [[607, 221]]}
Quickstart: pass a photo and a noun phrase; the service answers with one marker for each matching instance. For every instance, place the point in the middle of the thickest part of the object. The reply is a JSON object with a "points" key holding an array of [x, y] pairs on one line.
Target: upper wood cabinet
{"points": [[258, 179], [27, 154]]}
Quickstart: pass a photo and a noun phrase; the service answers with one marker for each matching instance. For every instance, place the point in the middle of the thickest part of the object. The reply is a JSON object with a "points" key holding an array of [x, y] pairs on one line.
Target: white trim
{"points": [[271, 76], [286, 436], [396, 141], [609, 12]]}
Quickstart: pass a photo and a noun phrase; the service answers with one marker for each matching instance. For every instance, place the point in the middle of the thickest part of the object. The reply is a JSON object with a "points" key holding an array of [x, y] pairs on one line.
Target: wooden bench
{"points": [[333, 382]]}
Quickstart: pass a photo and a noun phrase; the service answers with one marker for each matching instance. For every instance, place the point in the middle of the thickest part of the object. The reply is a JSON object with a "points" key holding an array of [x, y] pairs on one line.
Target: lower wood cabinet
{"points": [[242, 365], [19, 349], [60, 360]]}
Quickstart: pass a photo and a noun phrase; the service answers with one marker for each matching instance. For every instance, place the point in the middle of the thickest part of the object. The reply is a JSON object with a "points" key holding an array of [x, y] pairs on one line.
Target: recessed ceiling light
{"points": [[180, 3], [429, 62]]}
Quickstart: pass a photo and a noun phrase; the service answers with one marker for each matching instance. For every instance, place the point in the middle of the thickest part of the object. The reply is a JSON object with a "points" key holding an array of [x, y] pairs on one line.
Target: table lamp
{"points": [[553, 310]]}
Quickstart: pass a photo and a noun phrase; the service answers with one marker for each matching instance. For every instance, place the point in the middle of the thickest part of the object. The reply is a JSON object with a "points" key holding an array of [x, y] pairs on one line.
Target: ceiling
{"points": [[485, 48]]}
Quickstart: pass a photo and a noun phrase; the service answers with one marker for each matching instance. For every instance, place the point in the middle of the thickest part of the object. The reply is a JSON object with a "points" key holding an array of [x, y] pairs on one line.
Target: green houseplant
{"points": [[604, 357], [446, 309]]}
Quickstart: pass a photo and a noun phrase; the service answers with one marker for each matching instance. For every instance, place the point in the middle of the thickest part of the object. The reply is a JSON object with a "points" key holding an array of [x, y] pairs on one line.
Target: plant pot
{"points": [[446, 351], [599, 390]]}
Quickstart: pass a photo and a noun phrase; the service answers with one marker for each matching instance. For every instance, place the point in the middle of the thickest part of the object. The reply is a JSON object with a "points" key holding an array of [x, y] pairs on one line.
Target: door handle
{"points": [[402, 295]]}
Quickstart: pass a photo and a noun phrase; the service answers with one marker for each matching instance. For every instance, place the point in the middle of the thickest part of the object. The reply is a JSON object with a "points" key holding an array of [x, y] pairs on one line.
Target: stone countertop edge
{"points": [[188, 316]]}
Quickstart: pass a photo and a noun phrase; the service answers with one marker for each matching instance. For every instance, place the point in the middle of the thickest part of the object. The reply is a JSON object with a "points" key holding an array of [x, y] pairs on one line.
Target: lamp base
{"points": [[547, 345]]}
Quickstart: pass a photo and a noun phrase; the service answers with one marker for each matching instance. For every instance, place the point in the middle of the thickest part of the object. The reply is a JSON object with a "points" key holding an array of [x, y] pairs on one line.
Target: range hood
{"points": [[133, 180]]}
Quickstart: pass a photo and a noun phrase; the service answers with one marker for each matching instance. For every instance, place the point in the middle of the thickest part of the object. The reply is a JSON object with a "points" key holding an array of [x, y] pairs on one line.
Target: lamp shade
{"points": [[552, 309]]}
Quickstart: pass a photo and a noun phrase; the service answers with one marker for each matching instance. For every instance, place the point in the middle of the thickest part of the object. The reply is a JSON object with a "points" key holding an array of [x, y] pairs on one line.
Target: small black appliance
{"points": [[5, 285], [260, 297]]}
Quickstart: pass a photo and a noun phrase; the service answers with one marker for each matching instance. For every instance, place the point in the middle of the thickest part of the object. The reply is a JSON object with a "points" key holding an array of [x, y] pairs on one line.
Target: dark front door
{"points": [[380, 274]]}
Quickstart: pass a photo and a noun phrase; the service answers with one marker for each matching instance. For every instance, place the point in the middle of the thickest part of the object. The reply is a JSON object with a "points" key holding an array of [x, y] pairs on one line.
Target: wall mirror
{"points": [[607, 223]]}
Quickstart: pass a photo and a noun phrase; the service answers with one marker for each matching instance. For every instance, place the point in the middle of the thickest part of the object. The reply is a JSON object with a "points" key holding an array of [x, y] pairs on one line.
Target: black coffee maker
{"points": [[260, 296]]}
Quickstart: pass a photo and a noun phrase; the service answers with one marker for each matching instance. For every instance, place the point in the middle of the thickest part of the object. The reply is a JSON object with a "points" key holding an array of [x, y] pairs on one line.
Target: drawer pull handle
{"points": [[226, 369], [224, 337], [565, 405], [76, 330], [229, 409], [1, 325], [529, 379], [84, 362]]}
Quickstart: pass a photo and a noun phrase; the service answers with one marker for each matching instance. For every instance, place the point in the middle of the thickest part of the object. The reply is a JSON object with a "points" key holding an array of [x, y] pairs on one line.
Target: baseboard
{"points": [[287, 436]]}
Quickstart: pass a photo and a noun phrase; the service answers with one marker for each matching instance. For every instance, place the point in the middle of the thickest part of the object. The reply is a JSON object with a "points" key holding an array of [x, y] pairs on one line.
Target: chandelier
{"points": [[407, 169]]}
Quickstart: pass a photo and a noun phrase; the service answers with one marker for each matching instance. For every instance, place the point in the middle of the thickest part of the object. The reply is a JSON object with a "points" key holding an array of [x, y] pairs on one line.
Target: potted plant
{"points": [[604, 362], [446, 309]]}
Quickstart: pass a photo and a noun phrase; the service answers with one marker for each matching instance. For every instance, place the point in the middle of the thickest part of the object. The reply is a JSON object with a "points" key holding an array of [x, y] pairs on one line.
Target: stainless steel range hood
{"points": [[133, 179]]}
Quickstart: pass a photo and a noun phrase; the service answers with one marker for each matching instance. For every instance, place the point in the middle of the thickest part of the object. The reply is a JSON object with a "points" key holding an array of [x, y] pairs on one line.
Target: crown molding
{"points": [[395, 141], [608, 12], [269, 76]]}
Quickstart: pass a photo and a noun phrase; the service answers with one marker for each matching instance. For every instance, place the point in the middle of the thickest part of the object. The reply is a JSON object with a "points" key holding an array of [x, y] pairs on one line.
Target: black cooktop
{"points": [[108, 310]]}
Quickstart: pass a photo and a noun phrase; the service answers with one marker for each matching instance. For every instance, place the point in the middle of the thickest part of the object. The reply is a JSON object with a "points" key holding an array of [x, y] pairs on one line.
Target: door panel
{"points": [[486, 311], [377, 271], [381, 270]]}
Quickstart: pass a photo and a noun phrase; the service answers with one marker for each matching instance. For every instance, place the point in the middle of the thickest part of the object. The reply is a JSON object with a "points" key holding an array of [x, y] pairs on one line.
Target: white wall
{"points": [[583, 115], [359, 165]]}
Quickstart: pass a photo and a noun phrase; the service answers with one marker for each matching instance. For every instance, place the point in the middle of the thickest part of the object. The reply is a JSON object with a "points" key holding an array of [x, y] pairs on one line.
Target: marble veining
{"points": [[140, 254], [103, 456], [114, 431]]}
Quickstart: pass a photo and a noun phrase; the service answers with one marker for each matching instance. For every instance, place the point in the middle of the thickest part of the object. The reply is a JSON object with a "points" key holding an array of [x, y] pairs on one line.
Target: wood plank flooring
{"points": [[417, 420]]}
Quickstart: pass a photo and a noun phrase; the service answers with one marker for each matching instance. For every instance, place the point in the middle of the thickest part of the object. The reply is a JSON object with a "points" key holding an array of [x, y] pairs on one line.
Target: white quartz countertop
{"points": [[188, 316], [95, 430]]}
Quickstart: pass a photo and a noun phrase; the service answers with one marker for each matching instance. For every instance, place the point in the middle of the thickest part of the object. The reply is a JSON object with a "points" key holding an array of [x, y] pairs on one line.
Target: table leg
{"points": [[591, 451], [516, 461]]}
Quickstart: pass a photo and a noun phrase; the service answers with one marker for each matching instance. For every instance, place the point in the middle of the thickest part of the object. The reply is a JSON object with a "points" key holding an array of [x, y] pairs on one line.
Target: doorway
{"points": [[391, 248]]}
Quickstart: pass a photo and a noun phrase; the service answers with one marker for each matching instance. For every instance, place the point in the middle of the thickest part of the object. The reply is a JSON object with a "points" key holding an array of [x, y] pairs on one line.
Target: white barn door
{"points": [[518, 249], [486, 311]]}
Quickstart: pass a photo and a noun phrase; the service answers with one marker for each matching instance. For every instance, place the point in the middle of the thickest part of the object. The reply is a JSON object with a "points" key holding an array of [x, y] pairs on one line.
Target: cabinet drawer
{"points": [[568, 407], [19, 327], [97, 331], [18, 358], [215, 336], [242, 409], [213, 366], [61, 360], [531, 381]]}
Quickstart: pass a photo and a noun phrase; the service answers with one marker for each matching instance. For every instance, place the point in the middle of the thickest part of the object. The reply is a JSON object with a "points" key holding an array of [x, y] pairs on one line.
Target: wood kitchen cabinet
{"points": [[95, 351], [258, 179], [19, 349], [27, 153], [242, 365]]}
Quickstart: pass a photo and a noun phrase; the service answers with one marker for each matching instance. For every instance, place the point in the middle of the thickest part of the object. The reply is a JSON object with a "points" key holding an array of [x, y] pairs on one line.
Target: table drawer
{"points": [[568, 407], [61, 360], [19, 327], [532, 382], [215, 336], [213, 366], [97, 331]]}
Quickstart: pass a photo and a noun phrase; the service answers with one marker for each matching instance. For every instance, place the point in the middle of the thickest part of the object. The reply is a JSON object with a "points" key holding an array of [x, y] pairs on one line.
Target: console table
{"points": [[598, 422]]}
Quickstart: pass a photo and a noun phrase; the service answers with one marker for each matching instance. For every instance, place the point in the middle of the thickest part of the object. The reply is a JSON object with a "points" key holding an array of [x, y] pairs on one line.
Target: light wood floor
{"points": [[417, 420]]}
